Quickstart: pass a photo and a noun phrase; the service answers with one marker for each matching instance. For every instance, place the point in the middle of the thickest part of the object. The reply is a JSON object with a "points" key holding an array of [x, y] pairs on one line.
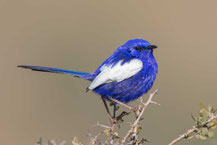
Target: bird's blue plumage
{"points": [[137, 85], [131, 87]]}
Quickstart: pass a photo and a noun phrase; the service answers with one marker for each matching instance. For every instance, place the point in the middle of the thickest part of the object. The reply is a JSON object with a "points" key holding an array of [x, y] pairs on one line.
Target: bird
{"points": [[126, 75]]}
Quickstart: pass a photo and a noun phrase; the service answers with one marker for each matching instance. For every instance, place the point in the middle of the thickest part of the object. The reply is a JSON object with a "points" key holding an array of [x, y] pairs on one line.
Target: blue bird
{"points": [[125, 76]]}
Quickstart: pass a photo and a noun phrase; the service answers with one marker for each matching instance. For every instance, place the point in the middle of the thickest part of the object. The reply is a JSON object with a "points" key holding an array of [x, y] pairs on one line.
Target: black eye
{"points": [[138, 48]]}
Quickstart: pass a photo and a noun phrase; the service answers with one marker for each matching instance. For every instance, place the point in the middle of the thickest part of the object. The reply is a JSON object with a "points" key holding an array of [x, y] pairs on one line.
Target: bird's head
{"points": [[138, 47]]}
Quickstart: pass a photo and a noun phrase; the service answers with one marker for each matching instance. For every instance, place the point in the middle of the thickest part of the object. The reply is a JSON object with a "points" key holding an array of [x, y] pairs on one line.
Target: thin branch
{"points": [[140, 113], [94, 140], [187, 134], [101, 125], [123, 104]]}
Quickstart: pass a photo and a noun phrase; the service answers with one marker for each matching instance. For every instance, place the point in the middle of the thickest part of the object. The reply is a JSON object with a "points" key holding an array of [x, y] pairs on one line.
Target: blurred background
{"points": [[80, 35]]}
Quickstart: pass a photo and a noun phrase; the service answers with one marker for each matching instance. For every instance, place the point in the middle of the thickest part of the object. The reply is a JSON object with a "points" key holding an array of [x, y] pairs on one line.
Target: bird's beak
{"points": [[152, 47]]}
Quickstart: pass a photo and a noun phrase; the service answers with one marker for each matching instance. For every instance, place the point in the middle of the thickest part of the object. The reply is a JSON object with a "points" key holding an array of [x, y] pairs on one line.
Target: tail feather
{"points": [[53, 70]]}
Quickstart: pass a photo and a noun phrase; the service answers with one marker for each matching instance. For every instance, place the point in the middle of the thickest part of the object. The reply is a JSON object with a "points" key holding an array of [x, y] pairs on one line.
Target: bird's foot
{"points": [[119, 119]]}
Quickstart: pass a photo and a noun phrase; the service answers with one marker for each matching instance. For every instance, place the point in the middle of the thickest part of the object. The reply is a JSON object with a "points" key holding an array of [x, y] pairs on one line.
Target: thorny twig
{"points": [[132, 133], [140, 113], [101, 125], [122, 104], [190, 131]]}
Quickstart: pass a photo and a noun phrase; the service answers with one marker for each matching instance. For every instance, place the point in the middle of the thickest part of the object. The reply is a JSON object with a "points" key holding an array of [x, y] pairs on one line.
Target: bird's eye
{"points": [[138, 48]]}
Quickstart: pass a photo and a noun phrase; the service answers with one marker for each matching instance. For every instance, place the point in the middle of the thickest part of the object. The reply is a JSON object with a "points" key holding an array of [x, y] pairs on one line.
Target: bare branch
{"points": [[140, 113], [101, 125], [185, 135], [120, 103]]}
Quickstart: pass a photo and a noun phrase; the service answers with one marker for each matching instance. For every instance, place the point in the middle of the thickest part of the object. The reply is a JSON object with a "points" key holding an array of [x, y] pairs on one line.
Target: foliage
{"points": [[204, 123]]}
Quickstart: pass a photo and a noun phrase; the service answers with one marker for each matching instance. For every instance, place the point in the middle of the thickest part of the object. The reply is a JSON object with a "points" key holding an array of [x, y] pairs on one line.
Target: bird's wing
{"points": [[117, 72]]}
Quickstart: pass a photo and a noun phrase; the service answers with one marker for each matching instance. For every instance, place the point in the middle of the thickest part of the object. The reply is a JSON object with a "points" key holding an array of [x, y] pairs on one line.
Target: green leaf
{"points": [[204, 131], [210, 134], [202, 137], [210, 124], [214, 125], [139, 130], [190, 137], [202, 107], [194, 127], [204, 115], [193, 117], [106, 131], [197, 136], [210, 109]]}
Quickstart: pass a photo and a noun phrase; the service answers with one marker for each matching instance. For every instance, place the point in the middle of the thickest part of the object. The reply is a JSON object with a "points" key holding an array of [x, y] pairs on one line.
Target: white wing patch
{"points": [[116, 73]]}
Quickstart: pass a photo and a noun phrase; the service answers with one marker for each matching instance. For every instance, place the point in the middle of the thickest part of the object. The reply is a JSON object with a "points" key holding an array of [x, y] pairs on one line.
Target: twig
{"points": [[125, 105], [185, 135], [101, 125], [134, 127], [94, 140]]}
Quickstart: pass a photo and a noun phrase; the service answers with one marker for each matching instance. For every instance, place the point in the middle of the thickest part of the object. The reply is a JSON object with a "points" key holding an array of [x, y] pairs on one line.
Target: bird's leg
{"points": [[109, 114], [133, 109], [118, 119], [115, 108]]}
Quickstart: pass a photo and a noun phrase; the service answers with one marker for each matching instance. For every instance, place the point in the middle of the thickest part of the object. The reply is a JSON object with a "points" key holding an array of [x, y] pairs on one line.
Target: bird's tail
{"points": [[54, 70]]}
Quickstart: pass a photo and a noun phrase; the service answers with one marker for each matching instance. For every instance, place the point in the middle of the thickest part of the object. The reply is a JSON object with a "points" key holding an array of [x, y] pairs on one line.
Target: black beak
{"points": [[152, 47]]}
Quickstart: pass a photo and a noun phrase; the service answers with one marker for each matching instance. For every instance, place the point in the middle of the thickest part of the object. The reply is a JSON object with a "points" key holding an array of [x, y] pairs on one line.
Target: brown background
{"points": [[79, 35]]}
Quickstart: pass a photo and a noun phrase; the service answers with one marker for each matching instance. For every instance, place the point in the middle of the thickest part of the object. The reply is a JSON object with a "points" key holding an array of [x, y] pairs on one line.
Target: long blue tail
{"points": [[54, 70]]}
